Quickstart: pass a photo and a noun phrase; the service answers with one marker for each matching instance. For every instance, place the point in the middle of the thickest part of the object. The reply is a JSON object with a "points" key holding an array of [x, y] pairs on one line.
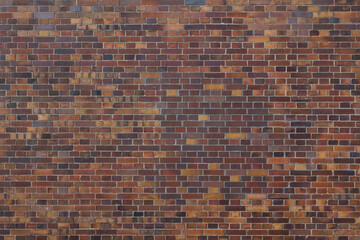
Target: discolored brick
{"points": [[179, 119], [195, 2], [235, 135]]}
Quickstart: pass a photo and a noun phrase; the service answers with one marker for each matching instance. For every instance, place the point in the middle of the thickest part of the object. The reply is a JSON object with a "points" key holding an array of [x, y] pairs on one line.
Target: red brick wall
{"points": [[179, 119]]}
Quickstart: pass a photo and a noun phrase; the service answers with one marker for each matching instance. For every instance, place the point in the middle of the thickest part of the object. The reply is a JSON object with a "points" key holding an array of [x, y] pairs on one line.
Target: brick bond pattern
{"points": [[179, 119]]}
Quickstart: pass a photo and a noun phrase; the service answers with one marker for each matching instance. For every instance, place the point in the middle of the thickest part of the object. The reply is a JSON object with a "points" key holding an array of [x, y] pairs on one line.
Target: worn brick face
{"points": [[179, 119]]}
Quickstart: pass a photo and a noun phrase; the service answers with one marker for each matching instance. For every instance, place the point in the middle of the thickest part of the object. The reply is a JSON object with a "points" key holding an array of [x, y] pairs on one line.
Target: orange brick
{"points": [[191, 172], [140, 45], [203, 117], [172, 92], [214, 86], [236, 92], [257, 172], [235, 135], [235, 178]]}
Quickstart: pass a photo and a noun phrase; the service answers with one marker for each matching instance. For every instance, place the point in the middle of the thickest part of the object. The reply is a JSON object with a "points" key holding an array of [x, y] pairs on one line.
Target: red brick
{"points": [[174, 119]]}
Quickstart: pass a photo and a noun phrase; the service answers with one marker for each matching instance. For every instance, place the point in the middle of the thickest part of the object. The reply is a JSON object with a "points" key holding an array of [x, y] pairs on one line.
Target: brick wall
{"points": [[179, 119]]}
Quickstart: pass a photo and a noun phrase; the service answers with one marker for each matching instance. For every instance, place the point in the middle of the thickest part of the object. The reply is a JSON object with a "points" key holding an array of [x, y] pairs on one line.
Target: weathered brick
{"points": [[195, 2], [44, 15], [174, 119]]}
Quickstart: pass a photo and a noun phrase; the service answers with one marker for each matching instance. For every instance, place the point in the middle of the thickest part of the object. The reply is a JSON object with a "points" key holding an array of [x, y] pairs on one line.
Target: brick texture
{"points": [[179, 119]]}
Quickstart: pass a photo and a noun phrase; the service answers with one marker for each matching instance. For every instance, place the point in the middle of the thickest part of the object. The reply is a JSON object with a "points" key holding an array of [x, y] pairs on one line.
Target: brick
{"points": [[173, 119], [172, 93], [213, 196], [236, 92], [258, 39], [203, 117], [236, 135], [150, 75], [214, 86], [191, 172], [20, 196], [191, 141], [257, 172], [109, 2], [257, 209], [44, 15], [130, 2], [195, 2], [21, 2], [87, 2], [235, 178], [256, 196]]}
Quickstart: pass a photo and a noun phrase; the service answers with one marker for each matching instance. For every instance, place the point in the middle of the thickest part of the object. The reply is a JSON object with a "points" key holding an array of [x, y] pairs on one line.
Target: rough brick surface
{"points": [[179, 119]]}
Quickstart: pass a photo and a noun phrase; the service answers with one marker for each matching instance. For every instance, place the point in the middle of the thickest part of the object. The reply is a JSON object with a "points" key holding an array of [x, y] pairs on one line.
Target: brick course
{"points": [[179, 119]]}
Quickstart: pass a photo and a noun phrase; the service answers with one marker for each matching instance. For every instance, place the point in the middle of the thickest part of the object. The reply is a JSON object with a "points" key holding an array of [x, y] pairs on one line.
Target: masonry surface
{"points": [[179, 119]]}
